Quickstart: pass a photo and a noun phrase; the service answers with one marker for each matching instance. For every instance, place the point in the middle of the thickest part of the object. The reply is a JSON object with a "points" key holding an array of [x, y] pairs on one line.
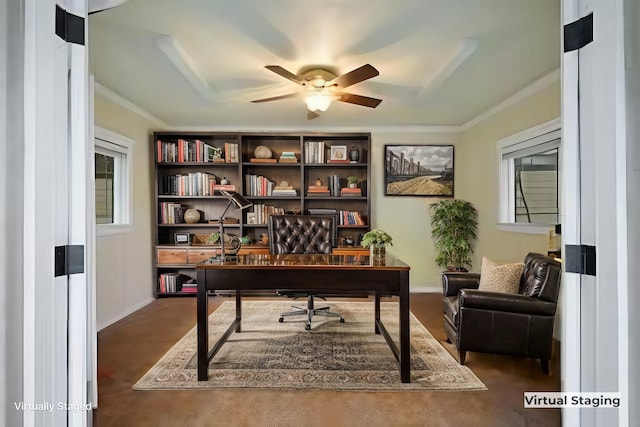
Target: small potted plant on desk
{"points": [[352, 181], [376, 240], [453, 226]]}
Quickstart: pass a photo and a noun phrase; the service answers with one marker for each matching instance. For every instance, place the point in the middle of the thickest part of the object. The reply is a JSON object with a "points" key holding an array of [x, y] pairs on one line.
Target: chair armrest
{"points": [[452, 282], [511, 303]]}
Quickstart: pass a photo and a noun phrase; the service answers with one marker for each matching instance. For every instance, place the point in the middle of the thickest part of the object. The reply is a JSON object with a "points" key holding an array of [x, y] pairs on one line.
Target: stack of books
{"points": [[217, 187], [288, 157], [283, 190], [351, 192], [318, 190]]}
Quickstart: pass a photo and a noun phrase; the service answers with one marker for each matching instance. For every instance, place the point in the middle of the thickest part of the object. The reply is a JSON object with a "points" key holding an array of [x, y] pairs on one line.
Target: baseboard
{"points": [[125, 313]]}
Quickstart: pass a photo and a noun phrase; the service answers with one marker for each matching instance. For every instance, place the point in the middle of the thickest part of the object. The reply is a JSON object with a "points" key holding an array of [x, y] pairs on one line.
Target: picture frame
{"points": [[181, 238], [338, 153], [419, 170], [251, 218]]}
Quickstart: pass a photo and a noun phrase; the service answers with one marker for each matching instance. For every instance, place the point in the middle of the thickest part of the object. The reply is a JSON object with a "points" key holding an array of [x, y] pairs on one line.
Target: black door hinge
{"points": [[69, 259], [69, 27], [580, 259], [579, 33]]}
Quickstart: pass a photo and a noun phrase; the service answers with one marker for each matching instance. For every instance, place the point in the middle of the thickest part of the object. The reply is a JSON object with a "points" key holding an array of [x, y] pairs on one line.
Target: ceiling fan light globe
{"points": [[318, 102]]}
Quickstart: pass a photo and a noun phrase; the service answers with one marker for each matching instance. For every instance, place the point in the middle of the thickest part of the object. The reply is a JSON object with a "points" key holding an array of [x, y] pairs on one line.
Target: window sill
{"points": [[111, 229], [524, 228]]}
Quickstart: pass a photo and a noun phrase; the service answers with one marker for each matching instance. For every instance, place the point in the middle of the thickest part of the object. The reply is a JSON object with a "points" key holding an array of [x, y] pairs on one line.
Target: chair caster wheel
{"points": [[281, 319], [307, 327], [341, 320]]}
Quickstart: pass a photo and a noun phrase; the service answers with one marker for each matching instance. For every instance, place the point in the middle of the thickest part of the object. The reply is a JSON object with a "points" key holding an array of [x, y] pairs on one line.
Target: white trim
{"points": [[125, 103], [518, 227], [540, 84], [536, 135], [106, 139], [372, 129], [112, 229], [125, 313], [531, 133]]}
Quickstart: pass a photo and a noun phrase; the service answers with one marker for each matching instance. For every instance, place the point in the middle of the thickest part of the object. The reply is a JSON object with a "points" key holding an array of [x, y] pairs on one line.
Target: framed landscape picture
{"points": [[418, 170]]}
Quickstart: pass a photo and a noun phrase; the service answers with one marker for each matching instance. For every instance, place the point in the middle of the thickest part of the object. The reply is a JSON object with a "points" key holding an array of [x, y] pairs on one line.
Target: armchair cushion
{"points": [[500, 278], [498, 301]]}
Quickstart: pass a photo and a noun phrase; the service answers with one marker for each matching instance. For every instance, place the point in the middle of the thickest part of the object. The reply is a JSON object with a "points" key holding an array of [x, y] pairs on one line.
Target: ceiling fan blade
{"points": [[365, 101], [276, 98], [312, 115], [284, 73], [356, 76]]}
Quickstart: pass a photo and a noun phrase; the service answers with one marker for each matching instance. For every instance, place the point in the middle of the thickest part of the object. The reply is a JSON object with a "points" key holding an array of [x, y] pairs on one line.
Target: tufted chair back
{"points": [[302, 234], [540, 277]]}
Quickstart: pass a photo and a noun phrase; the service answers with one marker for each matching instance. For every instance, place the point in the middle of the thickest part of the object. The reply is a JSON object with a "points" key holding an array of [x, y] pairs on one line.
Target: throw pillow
{"points": [[500, 278]]}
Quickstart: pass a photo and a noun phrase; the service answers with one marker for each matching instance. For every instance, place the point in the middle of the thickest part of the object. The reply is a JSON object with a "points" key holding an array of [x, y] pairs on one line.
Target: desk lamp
{"points": [[240, 203]]}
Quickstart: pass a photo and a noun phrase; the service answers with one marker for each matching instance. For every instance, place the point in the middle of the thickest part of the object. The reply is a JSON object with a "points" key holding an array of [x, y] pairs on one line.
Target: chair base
{"points": [[310, 311]]}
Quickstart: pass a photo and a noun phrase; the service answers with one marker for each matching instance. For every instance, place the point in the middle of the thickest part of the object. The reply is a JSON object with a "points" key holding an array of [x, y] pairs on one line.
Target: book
{"points": [[256, 160]]}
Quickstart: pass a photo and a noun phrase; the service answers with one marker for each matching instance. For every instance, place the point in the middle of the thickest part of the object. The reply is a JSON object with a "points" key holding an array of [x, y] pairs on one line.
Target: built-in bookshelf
{"points": [[279, 172]]}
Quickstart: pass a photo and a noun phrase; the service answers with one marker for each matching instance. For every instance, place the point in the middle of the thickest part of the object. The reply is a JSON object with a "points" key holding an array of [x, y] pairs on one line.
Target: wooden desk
{"points": [[304, 272]]}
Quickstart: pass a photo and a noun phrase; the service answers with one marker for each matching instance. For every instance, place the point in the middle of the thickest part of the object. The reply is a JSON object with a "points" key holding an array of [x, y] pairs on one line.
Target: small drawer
{"points": [[172, 256], [199, 255]]}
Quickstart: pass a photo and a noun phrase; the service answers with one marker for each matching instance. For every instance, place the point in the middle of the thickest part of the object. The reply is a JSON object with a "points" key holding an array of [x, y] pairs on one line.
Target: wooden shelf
{"points": [[299, 175]]}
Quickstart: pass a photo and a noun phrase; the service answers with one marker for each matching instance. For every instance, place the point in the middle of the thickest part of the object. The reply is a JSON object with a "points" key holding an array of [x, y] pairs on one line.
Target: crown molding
{"points": [[371, 129], [125, 103], [540, 84]]}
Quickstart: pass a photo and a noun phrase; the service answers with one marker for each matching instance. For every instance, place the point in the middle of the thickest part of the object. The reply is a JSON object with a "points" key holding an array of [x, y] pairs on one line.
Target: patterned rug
{"points": [[332, 356]]}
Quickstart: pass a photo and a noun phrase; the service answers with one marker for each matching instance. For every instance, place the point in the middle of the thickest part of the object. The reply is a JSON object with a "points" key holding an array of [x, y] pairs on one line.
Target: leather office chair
{"points": [[491, 322], [303, 234]]}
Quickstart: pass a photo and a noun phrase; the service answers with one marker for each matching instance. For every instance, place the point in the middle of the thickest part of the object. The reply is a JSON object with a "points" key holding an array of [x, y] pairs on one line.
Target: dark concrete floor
{"points": [[128, 348]]}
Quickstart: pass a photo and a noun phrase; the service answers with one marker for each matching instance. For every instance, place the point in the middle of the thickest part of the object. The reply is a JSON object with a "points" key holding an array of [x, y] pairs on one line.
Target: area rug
{"points": [[332, 356]]}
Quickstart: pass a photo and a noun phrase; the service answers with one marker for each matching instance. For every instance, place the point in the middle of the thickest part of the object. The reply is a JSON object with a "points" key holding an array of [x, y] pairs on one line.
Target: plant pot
{"points": [[353, 185]]}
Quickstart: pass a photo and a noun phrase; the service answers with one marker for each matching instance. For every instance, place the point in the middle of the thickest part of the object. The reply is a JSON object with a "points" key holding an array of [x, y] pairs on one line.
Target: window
{"points": [[112, 181], [529, 179]]}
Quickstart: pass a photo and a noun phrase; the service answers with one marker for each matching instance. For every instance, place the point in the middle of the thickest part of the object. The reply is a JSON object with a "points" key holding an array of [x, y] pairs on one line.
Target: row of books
{"points": [[261, 212], [344, 217], [231, 154], [187, 151], [258, 185], [314, 151], [350, 218], [190, 184], [176, 282], [171, 213]]}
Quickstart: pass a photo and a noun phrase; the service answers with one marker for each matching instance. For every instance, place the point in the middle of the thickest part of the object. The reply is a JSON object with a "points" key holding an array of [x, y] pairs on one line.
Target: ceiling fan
{"points": [[320, 87]]}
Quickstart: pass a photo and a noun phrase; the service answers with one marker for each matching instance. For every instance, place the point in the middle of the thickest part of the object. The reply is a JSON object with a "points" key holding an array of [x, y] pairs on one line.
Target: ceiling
{"points": [[199, 63]]}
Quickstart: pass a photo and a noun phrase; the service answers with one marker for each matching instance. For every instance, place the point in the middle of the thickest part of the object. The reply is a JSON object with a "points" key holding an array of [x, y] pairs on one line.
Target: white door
{"points": [[595, 216], [55, 303]]}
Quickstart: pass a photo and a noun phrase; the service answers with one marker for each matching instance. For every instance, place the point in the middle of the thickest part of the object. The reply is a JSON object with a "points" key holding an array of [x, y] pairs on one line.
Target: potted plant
{"points": [[377, 240], [454, 224], [352, 181]]}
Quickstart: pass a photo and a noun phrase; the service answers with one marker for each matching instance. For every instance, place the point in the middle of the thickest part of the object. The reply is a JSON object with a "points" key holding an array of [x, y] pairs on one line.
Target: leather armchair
{"points": [[303, 234], [492, 322]]}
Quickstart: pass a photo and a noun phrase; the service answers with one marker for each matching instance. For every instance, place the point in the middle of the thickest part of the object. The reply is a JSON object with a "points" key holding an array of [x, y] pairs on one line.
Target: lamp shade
{"points": [[237, 199], [318, 102]]}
